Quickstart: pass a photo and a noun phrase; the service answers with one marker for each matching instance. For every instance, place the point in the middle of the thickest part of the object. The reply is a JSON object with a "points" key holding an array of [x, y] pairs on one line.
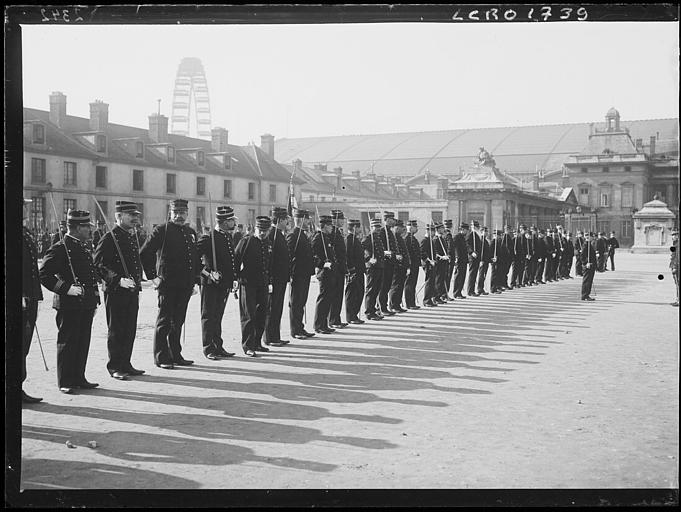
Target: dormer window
{"points": [[201, 158], [38, 134], [171, 154], [100, 140], [228, 162], [139, 149]]}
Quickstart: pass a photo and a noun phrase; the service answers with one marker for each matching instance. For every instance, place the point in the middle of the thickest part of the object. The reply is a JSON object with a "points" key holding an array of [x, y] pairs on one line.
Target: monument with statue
{"points": [[653, 225]]}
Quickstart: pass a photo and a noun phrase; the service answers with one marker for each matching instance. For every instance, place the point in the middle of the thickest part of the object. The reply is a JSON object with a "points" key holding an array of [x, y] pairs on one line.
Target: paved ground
{"points": [[529, 389]]}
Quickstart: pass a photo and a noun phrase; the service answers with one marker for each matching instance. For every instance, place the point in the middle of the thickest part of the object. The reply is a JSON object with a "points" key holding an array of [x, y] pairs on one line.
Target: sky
{"points": [[341, 79]]}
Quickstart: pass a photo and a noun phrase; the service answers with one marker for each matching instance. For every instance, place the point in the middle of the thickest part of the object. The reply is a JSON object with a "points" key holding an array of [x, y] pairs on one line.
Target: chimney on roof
{"points": [[652, 146], [639, 144], [218, 140], [267, 144], [297, 164], [339, 177], [58, 108], [99, 116], [158, 128]]}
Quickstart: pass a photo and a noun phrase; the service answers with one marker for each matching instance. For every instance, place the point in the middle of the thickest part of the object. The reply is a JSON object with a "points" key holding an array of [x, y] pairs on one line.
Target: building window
{"points": [[605, 200], [627, 168], [100, 176], [606, 169], [228, 162], [584, 195], [69, 204], [170, 183], [627, 229], [139, 149], [251, 191], [403, 216], [38, 212], [273, 193], [105, 209], [436, 216], [38, 134], [70, 175], [37, 170], [627, 196], [585, 169], [227, 189], [137, 180], [101, 143], [200, 186], [171, 154], [201, 157]]}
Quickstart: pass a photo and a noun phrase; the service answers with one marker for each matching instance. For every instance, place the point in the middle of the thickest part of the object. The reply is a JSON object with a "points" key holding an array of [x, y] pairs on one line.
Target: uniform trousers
{"points": [[373, 287], [121, 318], [397, 287], [327, 286], [517, 272], [300, 286], [429, 289], [548, 274], [29, 316], [450, 272], [73, 344], [252, 311], [676, 281], [497, 280], [539, 273], [213, 302], [587, 281], [601, 262], [354, 293], [172, 309], [527, 271], [442, 267], [578, 266], [459, 278], [482, 275], [337, 299], [274, 311], [386, 283], [410, 286], [473, 267], [611, 255]]}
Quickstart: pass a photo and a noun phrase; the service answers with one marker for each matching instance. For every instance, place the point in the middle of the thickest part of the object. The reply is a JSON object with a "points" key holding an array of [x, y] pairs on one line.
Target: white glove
{"points": [[156, 282], [474, 254], [75, 291], [269, 288], [327, 264], [446, 258], [215, 276], [399, 257], [235, 286], [408, 271], [588, 265], [494, 260], [539, 260], [126, 283], [528, 257], [432, 262], [24, 300], [195, 290], [388, 253], [372, 261]]}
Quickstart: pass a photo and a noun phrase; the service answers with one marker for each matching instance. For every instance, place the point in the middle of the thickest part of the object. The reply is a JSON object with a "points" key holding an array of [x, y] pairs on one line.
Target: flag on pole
{"points": [[292, 203]]}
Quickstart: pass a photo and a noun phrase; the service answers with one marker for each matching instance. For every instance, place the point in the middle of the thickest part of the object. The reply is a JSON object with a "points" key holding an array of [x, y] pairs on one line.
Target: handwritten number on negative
{"points": [[63, 15]]}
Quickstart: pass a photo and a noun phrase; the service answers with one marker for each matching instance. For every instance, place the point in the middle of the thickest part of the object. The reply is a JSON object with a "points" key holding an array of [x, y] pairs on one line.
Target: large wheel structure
{"points": [[190, 87]]}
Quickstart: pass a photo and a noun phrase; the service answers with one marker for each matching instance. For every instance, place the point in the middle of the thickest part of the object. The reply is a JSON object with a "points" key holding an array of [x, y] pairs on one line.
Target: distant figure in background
{"points": [[612, 245], [601, 252], [57, 236], [98, 233], [674, 263]]}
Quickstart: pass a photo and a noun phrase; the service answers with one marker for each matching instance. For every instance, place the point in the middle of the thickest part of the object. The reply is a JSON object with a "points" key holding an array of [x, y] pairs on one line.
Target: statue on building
{"points": [[484, 158]]}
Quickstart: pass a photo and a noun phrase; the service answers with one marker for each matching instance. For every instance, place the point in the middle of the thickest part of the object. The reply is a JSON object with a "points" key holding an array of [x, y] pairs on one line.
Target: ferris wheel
{"points": [[190, 84]]}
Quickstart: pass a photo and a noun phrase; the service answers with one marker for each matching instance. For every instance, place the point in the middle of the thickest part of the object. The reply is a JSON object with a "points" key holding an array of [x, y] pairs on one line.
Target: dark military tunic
{"points": [[519, 252], [253, 263], [485, 260], [430, 250], [460, 251], [588, 255], [528, 268], [449, 246], [507, 259], [612, 245], [354, 289], [74, 314], [280, 271], [338, 240], [323, 251], [170, 254], [499, 251], [390, 244], [578, 246], [214, 295], [121, 304], [540, 254], [302, 268], [402, 264], [414, 250], [474, 246], [373, 248], [31, 294]]}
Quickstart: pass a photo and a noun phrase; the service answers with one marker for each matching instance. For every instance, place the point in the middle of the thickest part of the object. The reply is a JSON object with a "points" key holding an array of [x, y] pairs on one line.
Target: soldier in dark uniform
{"points": [[253, 261], [561, 248], [402, 265], [218, 279], [60, 233], [518, 258], [674, 263], [529, 254], [485, 260], [302, 268], [551, 256], [532, 262], [341, 269], [98, 233], [429, 254], [601, 251], [474, 247], [589, 262], [325, 261], [69, 272], [280, 274], [31, 294], [118, 264], [442, 261], [171, 262], [540, 253], [238, 233], [449, 246], [579, 243], [374, 254], [612, 245], [460, 260], [354, 289], [390, 259], [507, 257], [414, 250], [497, 258], [568, 255]]}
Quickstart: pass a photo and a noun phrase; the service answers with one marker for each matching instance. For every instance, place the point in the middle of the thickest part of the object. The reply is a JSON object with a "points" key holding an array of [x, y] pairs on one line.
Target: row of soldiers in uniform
{"points": [[380, 268]]}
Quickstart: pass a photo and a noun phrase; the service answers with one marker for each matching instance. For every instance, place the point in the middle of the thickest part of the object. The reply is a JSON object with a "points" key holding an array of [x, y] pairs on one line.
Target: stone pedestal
{"points": [[652, 228]]}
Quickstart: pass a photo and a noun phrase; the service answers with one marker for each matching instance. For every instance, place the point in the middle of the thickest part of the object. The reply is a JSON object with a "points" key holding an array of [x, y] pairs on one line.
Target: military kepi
{"points": [[262, 222], [78, 218], [224, 213], [179, 204], [127, 207]]}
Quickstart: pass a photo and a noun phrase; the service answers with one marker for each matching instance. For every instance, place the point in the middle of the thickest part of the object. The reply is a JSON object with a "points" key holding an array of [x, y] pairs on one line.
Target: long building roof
{"points": [[517, 150]]}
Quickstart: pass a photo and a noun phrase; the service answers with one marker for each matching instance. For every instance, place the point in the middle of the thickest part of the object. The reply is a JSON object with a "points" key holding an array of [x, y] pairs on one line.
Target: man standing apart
{"points": [[354, 289], [414, 250], [589, 262], [118, 263], [341, 269], [31, 294], [218, 278], [325, 261], [302, 268], [171, 262], [69, 272], [252, 260], [280, 274], [612, 245]]}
